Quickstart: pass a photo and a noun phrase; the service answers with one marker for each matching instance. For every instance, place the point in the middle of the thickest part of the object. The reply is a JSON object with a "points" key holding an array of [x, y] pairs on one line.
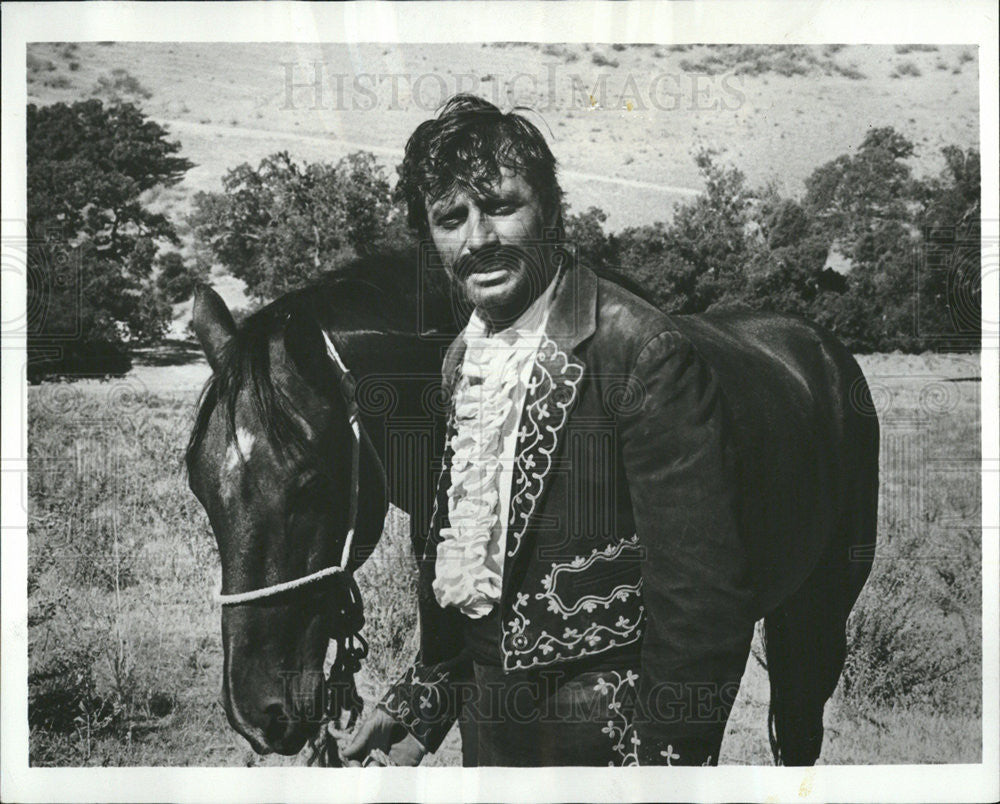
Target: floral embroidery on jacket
{"points": [[417, 702], [590, 636], [551, 393], [619, 727], [589, 603]]}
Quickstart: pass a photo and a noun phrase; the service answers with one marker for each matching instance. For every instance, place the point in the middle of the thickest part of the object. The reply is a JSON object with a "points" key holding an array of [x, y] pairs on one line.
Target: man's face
{"points": [[490, 245]]}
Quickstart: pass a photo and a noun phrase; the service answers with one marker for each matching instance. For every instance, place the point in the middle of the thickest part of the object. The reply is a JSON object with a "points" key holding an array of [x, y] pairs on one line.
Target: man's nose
{"points": [[481, 233]]}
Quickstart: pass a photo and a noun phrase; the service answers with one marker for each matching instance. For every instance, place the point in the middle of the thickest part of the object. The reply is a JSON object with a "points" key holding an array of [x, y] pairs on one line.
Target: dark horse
{"points": [[270, 459]]}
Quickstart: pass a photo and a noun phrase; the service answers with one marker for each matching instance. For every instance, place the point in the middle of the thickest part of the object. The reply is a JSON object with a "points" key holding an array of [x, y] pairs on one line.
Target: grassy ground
{"points": [[124, 643]]}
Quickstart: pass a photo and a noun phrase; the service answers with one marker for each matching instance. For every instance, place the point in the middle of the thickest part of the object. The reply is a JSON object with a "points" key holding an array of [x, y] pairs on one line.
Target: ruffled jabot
{"points": [[469, 567], [467, 576]]}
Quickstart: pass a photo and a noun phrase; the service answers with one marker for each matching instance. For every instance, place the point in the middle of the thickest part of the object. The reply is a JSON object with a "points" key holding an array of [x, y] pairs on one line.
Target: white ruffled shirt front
{"points": [[488, 399]]}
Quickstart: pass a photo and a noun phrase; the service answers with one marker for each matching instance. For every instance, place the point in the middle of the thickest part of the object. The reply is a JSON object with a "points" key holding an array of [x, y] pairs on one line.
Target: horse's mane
{"points": [[386, 288]]}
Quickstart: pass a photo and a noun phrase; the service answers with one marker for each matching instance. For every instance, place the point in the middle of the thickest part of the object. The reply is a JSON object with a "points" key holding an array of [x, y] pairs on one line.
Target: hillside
{"points": [[623, 120]]}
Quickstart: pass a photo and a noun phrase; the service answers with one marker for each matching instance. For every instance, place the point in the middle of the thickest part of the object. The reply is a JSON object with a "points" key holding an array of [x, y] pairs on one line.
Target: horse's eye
{"points": [[305, 481], [308, 489]]}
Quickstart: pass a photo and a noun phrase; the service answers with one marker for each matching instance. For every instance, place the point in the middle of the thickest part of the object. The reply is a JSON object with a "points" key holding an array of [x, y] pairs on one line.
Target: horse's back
{"points": [[807, 445]]}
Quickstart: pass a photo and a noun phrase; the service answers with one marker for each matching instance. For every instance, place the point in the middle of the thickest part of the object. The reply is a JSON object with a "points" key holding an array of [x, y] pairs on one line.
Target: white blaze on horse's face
{"points": [[238, 451]]}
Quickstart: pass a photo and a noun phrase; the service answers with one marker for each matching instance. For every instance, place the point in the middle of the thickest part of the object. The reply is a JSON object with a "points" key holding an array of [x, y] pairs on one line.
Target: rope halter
{"points": [[347, 389]]}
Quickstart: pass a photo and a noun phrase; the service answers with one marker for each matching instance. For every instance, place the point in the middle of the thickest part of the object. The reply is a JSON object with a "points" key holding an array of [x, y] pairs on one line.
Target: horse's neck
{"points": [[400, 401]]}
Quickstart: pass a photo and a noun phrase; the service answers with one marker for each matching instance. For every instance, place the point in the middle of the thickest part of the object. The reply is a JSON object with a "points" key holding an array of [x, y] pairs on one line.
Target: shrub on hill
{"points": [[784, 60]]}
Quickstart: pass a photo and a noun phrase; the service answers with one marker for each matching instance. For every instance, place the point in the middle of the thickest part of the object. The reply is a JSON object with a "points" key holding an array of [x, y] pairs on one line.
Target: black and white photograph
{"points": [[451, 402]]}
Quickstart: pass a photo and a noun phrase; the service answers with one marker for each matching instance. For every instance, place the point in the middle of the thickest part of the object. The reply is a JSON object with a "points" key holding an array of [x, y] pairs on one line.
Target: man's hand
{"points": [[381, 731]]}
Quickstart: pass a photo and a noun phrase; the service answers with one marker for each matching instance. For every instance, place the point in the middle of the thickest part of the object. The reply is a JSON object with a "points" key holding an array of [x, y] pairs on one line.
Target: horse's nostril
{"points": [[277, 723]]}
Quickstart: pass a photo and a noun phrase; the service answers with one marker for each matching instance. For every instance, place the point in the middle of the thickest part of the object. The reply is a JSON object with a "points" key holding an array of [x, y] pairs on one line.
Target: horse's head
{"points": [[270, 459]]}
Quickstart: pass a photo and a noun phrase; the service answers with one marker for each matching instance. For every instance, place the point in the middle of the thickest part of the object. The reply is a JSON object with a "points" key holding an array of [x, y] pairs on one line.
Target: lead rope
{"points": [[343, 704]]}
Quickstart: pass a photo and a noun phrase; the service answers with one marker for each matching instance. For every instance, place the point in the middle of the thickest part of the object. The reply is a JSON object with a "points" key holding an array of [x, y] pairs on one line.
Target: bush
{"points": [[785, 60], [584, 233], [559, 52], [35, 64], [58, 82], [120, 85], [905, 68], [903, 648], [62, 695]]}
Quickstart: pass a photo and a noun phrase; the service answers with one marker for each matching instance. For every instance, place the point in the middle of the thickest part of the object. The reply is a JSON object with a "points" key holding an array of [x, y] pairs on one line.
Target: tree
{"points": [[785, 269], [584, 233], [701, 258], [914, 245], [948, 272], [177, 277], [92, 241], [865, 204], [281, 224], [853, 195], [718, 233], [649, 256]]}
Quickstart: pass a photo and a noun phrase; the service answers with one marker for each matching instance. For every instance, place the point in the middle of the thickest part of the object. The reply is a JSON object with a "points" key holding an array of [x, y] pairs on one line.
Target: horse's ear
{"points": [[307, 349], [213, 323]]}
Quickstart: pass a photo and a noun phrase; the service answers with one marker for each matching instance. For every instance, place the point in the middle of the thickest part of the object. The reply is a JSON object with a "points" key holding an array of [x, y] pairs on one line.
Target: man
{"points": [[584, 594]]}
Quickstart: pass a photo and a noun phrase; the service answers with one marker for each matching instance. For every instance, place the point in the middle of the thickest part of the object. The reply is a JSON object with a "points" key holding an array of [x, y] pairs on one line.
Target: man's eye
{"points": [[501, 209], [450, 221]]}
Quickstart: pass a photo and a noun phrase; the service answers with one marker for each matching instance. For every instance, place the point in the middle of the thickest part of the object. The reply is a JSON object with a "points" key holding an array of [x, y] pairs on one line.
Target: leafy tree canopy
{"points": [[913, 245], [281, 224], [93, 240]]}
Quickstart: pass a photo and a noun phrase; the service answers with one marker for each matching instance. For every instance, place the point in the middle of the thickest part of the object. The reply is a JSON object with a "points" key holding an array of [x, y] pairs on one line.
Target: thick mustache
{"points": [[489, 259]]}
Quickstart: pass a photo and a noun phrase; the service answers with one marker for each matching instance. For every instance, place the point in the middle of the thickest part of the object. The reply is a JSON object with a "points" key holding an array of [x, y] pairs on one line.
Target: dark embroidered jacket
{"points": [[622, 529]]}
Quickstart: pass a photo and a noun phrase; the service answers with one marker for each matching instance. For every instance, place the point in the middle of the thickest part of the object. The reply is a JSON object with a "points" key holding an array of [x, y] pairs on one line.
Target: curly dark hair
{"points": [[465, 147]]}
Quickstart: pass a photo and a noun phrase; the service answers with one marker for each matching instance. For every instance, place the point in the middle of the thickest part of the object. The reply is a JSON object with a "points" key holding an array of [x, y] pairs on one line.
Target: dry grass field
{"points": [[124, 642]]}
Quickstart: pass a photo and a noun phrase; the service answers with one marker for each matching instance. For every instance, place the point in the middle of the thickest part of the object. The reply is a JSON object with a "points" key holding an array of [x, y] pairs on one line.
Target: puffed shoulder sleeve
{"points": [[681, 467]]}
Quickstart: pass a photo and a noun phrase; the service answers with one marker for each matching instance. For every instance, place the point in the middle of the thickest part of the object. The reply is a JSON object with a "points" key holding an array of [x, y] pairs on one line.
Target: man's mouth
{"points": [[489, 266], [488, 275]]}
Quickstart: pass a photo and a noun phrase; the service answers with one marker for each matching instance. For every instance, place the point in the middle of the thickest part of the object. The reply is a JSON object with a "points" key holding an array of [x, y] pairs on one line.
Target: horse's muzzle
{"points": [[273, 731]]}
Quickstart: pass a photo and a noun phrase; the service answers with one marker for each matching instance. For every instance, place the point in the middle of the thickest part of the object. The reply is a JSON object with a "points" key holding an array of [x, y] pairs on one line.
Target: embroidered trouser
{"points": [[549, 717]]}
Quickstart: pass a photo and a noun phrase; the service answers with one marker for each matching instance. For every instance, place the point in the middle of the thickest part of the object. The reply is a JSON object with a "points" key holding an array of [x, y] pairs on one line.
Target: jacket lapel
{"points": [[439, 509], [551, 394]]}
